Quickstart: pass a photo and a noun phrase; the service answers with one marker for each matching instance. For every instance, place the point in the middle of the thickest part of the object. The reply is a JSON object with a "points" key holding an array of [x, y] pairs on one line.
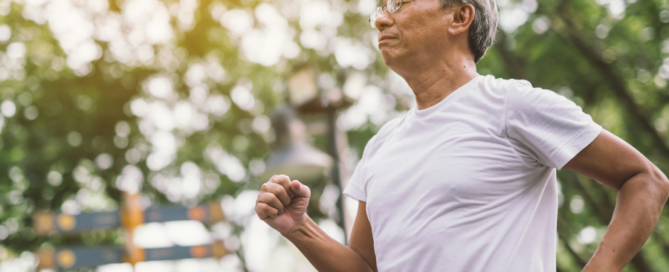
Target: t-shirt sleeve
{"points": [[356, 186], [547, 126]]}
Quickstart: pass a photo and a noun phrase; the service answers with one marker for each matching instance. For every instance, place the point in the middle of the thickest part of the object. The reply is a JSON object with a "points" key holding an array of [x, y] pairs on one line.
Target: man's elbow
{"points": [[660, 182]]}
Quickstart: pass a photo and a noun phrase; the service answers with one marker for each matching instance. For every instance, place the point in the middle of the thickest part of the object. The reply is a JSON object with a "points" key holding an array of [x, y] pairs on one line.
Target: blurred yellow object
{"points": [[43, 222], [66, 222], [66, 259], [46, 258], [132, 215]]}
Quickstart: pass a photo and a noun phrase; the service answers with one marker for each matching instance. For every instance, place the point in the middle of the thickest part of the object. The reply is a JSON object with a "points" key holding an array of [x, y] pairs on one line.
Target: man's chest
{"points": [[456, 165]]}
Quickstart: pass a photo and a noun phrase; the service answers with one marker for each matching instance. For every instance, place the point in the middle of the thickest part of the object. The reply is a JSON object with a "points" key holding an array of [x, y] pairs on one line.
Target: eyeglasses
{"points": [[392, 6]]}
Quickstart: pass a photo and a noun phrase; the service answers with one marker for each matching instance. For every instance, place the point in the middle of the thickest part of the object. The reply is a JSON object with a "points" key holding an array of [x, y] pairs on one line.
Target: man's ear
{"points": [[463, 16]]}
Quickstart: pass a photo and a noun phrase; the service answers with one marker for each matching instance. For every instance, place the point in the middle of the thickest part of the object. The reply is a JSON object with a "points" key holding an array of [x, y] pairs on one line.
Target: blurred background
{"points": [[197, 101]]}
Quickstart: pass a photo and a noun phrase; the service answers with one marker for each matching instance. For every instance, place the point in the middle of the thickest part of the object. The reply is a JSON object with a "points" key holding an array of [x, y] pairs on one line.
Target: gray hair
{"points": [[483, 28]]}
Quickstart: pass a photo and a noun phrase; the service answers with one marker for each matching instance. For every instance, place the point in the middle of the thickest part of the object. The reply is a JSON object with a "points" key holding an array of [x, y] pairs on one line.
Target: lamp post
{"points": [[292, 155], [307, 99]]}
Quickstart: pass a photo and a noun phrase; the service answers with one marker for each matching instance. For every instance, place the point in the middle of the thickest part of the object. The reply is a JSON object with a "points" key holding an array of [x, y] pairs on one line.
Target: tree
{"points": [[174, 97]]}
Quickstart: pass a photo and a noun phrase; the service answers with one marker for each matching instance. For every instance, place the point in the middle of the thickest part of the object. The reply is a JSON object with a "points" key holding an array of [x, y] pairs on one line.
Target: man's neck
{"points": [[433, 84]]}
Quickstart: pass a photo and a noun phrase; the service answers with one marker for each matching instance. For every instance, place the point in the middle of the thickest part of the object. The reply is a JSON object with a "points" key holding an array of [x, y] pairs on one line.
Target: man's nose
{"points": [[383, 21]]}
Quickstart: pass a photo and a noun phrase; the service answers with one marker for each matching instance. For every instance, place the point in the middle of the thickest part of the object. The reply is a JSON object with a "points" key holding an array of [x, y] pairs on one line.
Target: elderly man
{"points": [[465, 181]]}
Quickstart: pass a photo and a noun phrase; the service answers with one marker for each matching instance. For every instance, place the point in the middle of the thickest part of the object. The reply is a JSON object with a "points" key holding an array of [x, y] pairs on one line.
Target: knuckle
{"points": [[259, 208], [268, 186], [263, 187], [268, 198], [281, 178], [284, 199], [276, 204], [266, 209], [271, 211], [275, 189]]}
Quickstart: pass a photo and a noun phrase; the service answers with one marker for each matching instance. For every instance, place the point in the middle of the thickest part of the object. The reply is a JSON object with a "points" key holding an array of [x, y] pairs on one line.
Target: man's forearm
{"points": [[638, 207], [323, 252]]}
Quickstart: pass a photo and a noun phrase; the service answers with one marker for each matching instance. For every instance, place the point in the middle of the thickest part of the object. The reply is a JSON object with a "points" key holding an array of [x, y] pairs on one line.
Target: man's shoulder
{"points": [[506, 85], [382, 135], [389, 126], [520, 92]]}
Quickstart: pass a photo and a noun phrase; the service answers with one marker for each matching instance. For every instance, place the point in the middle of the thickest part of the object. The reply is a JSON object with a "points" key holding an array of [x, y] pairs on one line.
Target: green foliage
{"points": [[81, 128]]}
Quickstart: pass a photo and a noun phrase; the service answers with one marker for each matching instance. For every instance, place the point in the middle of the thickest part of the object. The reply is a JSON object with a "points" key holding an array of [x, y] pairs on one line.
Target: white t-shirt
{"points": [[468, 184]]}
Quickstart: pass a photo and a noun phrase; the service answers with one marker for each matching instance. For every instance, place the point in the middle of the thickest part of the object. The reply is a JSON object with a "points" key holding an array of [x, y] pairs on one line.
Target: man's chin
{"points": [[389, 58]]}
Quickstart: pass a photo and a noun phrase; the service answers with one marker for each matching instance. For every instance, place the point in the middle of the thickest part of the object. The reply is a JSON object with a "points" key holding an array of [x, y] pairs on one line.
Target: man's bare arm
{"points": [[282, 204], [327, 254], [643, 191]]}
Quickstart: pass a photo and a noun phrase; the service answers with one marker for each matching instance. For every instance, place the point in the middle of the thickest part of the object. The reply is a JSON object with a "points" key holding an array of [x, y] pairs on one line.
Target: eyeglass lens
{"points": [[391, 5]]}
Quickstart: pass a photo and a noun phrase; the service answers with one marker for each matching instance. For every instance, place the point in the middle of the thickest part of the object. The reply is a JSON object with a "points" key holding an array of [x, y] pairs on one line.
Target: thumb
{"points": [[300, 189]]}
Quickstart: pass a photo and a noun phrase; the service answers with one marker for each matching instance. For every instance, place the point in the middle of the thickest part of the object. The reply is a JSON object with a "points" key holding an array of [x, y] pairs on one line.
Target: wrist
{"points": [[597, 266], [299, 229], [594, 268]]}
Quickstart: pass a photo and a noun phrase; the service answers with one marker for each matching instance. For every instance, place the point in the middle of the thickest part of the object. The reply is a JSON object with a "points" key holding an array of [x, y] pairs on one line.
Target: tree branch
{"points": [[603, 213], [514, 63], [614, 81], [563, 230]]}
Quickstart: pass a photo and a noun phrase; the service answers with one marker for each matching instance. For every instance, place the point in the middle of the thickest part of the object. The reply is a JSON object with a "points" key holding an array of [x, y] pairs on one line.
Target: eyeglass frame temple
{"points": [[384, 8]]}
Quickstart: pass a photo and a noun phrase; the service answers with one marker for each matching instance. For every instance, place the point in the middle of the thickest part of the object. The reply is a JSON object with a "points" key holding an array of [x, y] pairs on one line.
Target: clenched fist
{"points": [[282, 204]]}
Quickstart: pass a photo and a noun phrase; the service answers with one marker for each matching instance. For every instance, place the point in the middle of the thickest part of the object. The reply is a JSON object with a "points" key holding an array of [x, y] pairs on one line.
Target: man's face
{"points": [[417, 31]]}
